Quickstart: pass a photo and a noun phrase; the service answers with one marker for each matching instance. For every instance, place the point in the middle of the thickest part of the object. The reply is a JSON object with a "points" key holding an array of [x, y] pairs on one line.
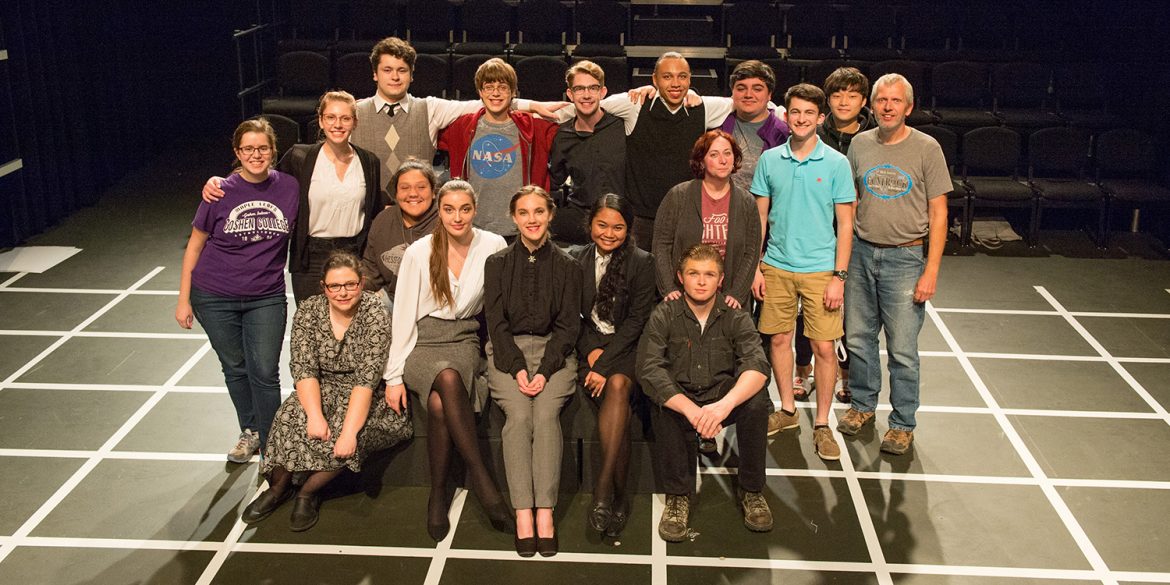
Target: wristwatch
{"points": [[842, 274]]}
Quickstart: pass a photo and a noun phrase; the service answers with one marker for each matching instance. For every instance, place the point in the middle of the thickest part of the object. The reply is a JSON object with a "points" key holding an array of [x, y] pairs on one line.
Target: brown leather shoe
{"points": [[897, 441], [852, 421]]}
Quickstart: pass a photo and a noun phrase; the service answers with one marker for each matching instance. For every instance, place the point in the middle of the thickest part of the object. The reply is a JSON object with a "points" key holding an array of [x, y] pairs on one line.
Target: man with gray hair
{"points": [[900, 230]]}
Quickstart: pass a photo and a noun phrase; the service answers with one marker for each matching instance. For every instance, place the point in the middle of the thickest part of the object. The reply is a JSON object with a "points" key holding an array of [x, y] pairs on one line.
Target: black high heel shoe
{"points": [[526, 547], [438, 524], [501, 516], [547, 547], [617, 523]]}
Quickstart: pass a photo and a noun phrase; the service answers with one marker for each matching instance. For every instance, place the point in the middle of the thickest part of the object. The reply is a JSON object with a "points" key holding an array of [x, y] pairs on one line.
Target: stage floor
{"points": [[1042, 452]]}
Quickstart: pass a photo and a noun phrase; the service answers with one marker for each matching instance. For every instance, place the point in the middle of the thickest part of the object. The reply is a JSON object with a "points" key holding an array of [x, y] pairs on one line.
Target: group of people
{"points": [[714, 235]]}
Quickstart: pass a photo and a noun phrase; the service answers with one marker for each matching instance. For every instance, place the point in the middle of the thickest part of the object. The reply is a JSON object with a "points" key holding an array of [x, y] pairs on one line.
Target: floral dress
{"points": [[357, 359]]}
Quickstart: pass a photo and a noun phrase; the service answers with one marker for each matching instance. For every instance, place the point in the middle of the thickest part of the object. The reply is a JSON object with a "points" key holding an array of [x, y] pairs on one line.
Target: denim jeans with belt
{"points": [[879, 294], [246, 333]]}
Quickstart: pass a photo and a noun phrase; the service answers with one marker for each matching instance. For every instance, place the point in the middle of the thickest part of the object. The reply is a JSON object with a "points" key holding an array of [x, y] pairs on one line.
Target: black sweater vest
{"points": [[658, 153]]}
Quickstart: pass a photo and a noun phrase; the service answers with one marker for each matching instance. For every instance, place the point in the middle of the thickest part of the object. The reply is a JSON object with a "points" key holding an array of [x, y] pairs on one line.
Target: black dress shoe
{"points": [[617, 523], [263, 506], [600, 516], [438, 524], [547, 547], [526, 547], [305, 513], [502, 517]]}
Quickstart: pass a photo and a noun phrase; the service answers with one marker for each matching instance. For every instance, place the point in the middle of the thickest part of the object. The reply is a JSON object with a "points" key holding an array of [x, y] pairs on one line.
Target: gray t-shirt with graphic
{"points": [[747, 136], [496, 171], [894, 183]]}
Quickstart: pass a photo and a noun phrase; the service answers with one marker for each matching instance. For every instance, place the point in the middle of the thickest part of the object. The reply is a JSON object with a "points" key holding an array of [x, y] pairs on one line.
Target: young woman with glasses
{"points": [[233, 280]]}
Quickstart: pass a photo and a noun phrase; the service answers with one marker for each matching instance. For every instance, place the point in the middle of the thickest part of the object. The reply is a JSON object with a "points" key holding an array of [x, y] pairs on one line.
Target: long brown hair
{"points": [[440, 281]]}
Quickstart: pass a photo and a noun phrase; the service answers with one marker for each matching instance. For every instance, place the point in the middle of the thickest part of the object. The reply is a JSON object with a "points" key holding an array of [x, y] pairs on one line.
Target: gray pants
{"points": [[532, 430]]}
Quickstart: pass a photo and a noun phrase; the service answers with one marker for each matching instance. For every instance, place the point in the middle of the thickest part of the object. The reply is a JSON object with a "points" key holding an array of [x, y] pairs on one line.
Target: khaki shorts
{"points": [[783, 289]]}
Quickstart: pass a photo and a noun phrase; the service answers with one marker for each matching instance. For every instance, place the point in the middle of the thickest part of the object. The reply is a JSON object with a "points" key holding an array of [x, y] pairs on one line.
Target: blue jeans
{"points": [[246, 333], [880, 294]]}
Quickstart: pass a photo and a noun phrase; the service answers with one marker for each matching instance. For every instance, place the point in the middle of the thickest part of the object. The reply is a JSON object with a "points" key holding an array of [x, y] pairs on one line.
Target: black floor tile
{"points": [[460, 571], [318, 569], [48, 311], [113, 361], [93, 566], [19, 349], [63, 419], [944, 443], [739, 576], [168, 500], [169, 426], [25, 485], [142, 314], [1060, 385], [969, 524], [1130, 337], [980, 282], [1154, 378], [1126, 526], [1091, 448], [389, 516], [814, 520], [1029, 334], [921, 579]]}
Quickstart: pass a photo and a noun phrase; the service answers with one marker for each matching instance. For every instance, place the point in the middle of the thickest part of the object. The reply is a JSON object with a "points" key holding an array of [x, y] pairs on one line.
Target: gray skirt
{"points": [[445, 344]]}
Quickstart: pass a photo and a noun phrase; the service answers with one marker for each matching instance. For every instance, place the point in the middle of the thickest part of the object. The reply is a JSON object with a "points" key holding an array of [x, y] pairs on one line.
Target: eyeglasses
{"points": [[491, 88], [580, 89], [331, 119], [250, 150], [337, 286]]}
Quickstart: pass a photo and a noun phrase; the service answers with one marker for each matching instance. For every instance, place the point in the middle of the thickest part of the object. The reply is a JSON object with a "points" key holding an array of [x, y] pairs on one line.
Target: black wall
{"points": [[92, 90]]}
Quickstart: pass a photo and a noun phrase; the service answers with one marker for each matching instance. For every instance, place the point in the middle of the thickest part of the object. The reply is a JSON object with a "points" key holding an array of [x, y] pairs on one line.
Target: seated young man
{"points": [[701, 361], [496, 149]]}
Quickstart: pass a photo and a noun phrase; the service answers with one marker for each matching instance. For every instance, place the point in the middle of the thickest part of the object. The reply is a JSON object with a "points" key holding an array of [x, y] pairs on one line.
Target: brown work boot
{"points": [[897, 441], [673, 525], [825, 444], [757, 516], [852, 421], [782, 421]]}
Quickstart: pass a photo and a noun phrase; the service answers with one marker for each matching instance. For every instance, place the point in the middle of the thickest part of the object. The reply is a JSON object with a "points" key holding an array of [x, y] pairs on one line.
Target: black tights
{"points": [[451, 423], [613, 426], [280, 478]]}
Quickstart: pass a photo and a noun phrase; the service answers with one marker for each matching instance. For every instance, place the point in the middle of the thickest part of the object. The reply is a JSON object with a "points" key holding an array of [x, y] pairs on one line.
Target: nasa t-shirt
{"points": [[248, 237], [496, 171], [894, 182]]}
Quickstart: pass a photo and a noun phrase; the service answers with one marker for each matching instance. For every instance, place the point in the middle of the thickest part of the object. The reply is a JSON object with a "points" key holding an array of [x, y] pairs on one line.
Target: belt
{"points": [[334, 243], [917, 242]]}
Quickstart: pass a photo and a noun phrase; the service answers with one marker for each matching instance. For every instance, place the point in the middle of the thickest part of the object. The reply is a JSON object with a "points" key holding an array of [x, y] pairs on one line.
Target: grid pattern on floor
{"points": [[998, 485]]}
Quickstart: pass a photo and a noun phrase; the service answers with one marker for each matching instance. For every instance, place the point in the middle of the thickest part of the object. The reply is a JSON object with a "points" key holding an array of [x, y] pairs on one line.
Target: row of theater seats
{"points": [[751, 28], [1051, 168], [957, 94]]}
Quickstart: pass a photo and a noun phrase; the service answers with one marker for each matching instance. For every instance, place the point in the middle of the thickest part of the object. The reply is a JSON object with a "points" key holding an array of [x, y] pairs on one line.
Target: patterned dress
{"points": [[338, 365]]}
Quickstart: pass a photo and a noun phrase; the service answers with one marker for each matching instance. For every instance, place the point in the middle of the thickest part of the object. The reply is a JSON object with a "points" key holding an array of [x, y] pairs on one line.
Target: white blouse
{"points": [[336, 207], [413, 299], [601, 264]]}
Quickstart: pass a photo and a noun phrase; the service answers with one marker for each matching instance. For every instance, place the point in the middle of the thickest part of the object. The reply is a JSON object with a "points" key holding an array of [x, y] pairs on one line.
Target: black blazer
{"points": [[629, 318], [299, 162]]}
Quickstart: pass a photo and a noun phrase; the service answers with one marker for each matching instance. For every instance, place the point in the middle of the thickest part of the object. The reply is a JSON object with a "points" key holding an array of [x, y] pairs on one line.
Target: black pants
{"points": [[308, 282], [676, 448]]}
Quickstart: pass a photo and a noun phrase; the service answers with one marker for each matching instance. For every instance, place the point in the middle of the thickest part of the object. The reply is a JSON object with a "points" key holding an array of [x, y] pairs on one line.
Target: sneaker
{"points": [[852, 421], [673, 526], [757, 516], [782, 421], [246, 447], [897, 441], [825, 444]]}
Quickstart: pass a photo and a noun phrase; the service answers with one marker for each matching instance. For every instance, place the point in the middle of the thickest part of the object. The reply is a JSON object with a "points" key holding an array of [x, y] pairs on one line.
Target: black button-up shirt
{"points": [[677, 356]]}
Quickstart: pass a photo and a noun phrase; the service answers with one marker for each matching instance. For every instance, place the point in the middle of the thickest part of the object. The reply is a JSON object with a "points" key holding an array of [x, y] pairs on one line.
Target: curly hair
{"points": [[611, 291]]}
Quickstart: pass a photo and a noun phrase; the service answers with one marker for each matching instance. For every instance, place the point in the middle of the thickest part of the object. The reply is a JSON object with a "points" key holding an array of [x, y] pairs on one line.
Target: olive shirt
{"points": [[676, 355]]}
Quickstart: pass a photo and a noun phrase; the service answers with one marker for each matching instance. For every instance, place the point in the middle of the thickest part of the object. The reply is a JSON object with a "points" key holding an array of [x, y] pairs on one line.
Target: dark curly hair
{"points": [[612, 289]]}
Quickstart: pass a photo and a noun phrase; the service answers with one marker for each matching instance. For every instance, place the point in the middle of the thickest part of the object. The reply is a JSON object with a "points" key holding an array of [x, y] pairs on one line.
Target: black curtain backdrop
{"points": [[99, 88]]}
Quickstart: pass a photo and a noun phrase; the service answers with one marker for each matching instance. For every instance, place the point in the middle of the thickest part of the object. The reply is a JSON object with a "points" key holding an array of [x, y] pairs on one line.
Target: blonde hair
{"points": [[586, 67]]}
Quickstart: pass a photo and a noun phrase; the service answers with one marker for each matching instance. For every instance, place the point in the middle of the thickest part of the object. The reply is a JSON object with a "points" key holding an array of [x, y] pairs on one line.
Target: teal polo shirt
{"points": [[801, 237]]}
